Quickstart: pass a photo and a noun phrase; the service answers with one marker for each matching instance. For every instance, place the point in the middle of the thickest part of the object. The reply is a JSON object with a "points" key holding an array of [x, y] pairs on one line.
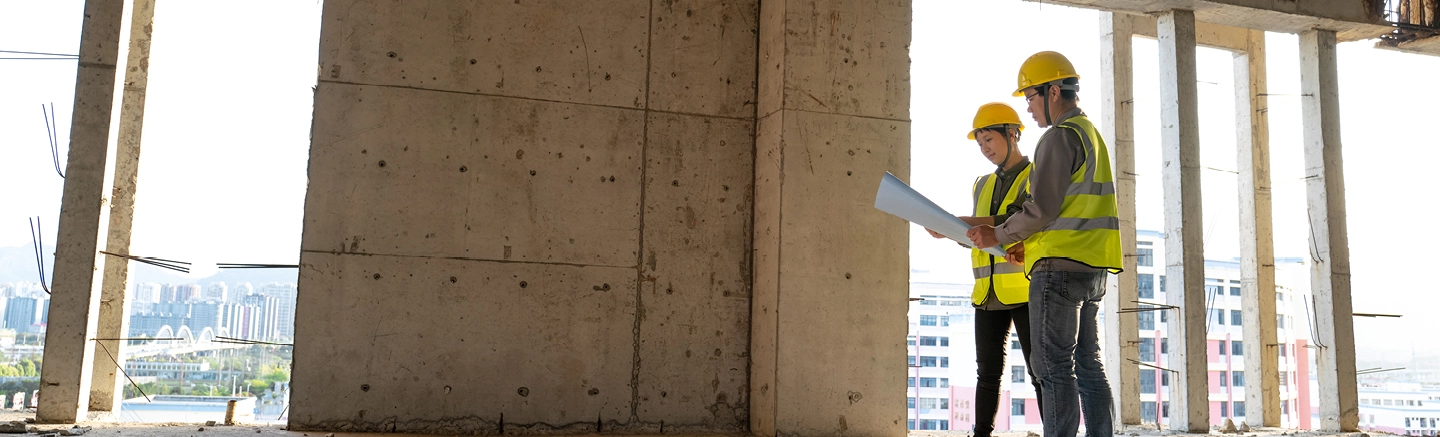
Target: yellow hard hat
{"points": [[995, 114], [1042, 68]]}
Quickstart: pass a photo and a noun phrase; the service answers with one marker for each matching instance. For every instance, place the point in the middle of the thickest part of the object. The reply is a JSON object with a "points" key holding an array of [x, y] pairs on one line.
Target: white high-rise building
{"points": [[215, 292], [284, 294]]}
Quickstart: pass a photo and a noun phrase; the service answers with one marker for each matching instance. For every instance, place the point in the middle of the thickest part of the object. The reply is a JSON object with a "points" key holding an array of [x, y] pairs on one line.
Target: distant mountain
{"points": [[17, 264]]}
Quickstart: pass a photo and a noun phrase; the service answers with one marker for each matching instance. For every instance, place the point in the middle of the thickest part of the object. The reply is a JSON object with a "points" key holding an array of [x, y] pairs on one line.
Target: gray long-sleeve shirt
{"points": [[1058, 154]]}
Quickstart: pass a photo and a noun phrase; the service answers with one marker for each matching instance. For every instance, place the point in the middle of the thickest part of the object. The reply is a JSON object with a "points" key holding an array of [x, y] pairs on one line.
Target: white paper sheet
{"points": [[896, 197]]}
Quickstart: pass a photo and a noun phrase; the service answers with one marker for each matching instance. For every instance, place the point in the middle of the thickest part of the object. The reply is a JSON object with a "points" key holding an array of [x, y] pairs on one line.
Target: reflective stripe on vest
{"points": [[1009, 281], [1088, 229]]}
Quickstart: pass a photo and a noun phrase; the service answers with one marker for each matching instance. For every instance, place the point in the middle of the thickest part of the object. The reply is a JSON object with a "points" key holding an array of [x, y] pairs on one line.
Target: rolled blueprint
{"points": [[896, 197]]}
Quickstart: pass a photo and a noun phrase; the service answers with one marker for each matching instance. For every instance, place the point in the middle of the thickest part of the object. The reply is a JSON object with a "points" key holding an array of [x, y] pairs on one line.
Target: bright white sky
{"points": [[227, 133]]}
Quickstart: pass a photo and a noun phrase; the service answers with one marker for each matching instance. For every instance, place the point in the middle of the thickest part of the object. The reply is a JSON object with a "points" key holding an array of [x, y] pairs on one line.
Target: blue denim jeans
{"points": [[1066, 359]]}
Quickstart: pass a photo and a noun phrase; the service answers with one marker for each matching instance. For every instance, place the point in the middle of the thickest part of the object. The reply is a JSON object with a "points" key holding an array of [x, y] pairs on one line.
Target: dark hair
{"points": [[1066, 95], [1002, 130]]}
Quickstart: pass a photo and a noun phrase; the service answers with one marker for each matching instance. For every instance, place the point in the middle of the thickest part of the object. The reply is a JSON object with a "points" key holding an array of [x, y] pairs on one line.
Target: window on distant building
{"points": [[1147, 381], [1164, 314], [1147, 411], [910, 382], [928, 321], [1235, 317], [1217, 317], [910, 423], [927, 382], [928, 403], [1234, 291], [1015, 344], [944, 341], [1017, 407], [910, 402], [1237, 348], [929, 302], [944, 361], [1224, 380], [1221, 348], [944, 382], [912, 361], [1280, 323], [1282, 351], [1239, 409], [1165, 379], [945, 321], [1147, 349], [1146, 319], [1224, 409], [1145, 283], [1162, 284], [1238, 380], [927, 341], [1145, 257], [928, 361], [910, 340], [1214, 290], [1165, 407], [1285, 408], [1165, 345], [1017, 374]]}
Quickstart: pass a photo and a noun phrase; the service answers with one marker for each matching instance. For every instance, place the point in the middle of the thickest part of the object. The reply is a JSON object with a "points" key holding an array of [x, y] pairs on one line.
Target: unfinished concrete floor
{"points": [[101, 426]]}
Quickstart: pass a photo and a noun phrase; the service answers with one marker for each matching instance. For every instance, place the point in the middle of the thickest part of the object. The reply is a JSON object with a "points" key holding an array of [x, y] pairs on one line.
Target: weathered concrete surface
{"points": [[1117, 32], [694, 335], [439, 345], [83, 220], [1257, 240], [1353, 20], [1184, 227], [1329, 241], [831, 272], [575, 214], [114, 322]]}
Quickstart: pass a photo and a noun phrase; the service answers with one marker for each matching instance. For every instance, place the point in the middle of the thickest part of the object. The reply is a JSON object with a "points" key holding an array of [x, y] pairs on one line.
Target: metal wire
{"points": [[54, 135], [38, 53], [37, 241], [122, 371]]}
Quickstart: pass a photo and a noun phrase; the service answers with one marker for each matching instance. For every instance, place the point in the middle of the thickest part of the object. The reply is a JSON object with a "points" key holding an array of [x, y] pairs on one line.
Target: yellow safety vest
{"points": [[1009, 281], [1088, 229]]}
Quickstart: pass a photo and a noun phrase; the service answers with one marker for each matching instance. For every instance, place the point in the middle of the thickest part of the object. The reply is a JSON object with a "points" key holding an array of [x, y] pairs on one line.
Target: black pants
{"points": [[992, 342]]}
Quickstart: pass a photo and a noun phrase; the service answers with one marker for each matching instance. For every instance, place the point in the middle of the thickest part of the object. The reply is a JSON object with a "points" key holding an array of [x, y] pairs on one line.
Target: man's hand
{"points": [[1016, 254], [935, 234], [983, 236]]}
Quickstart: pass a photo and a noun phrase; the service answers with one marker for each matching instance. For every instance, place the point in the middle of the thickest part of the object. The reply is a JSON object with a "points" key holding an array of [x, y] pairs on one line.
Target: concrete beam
{"points": [[1117, 87], [75, 298], [1216, 36], [1420, 46], [105, 388], [1352, 20], [1257, 247], [1330, 246], [1184, 222]]}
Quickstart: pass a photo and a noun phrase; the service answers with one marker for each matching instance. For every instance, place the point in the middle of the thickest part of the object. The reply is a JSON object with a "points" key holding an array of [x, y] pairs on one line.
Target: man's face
{"points": [[1035, 105], [993, 146]]}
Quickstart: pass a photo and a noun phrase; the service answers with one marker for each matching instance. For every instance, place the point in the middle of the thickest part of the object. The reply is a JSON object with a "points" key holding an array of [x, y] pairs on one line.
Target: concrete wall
{"points": [[536, 217]]}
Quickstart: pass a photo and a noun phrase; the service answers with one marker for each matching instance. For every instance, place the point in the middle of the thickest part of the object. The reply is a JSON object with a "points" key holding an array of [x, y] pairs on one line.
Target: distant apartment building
{"points": [[26, 314], [255, 316], [942, 326], [284, 294]]}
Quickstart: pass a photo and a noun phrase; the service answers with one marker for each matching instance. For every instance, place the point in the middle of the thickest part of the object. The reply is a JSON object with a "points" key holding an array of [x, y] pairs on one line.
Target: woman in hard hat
{"points": [[1001, 288]]}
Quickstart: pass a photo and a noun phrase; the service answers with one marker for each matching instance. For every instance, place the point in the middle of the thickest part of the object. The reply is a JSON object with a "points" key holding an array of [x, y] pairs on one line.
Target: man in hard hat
{"points": [[1001, 289], [1071, 231]]}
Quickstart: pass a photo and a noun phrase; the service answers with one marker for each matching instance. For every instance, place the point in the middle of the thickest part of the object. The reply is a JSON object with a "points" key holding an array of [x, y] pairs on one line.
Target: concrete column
{"points": [[105, 388], [75, 300], [1184, 227], [831, 272], [1329, 243], [1116, 72], [1257, 248]]}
